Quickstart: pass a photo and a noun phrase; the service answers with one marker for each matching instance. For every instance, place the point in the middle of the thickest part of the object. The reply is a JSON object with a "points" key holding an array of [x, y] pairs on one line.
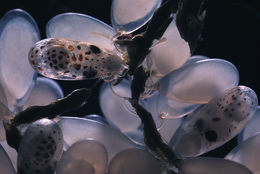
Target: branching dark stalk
{"points": [[190, 19], [72, 101]]}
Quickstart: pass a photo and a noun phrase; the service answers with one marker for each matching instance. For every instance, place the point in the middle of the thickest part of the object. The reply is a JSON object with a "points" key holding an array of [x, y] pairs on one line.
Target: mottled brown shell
{"points": [[65, 59]]}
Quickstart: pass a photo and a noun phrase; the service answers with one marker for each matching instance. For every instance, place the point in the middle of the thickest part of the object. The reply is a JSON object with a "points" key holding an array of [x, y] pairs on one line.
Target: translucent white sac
{"points": [[251, 128], [247, 153], [169, 55], [11, 152], [40, 148], [81, 27], [6, 166], [200, 81], [65, 59], [209, 165], [44, 92], [195, 58], [115, 107], [134, 161], [97, 118], [88, 152], [174, 109], [166, 127], [128, 16], [216, 122], [75, 129], [18, 33]]}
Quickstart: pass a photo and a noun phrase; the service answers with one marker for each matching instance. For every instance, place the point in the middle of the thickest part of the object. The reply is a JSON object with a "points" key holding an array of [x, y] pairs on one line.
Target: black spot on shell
{"points": [[211, 136], [94, 49], [53, 55], [91, 73], [216, 119], [199, 124], [78, 47], [87, 52]]}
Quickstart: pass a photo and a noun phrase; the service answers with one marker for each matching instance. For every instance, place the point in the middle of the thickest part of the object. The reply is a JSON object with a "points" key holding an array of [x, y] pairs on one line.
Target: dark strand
{"points": [[72, 101], [152, 137]]}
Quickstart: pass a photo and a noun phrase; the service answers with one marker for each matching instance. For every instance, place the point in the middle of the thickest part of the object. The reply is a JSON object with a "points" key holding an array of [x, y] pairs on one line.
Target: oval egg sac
{"points": [[216, 122], [40, 148], [65, 59]]}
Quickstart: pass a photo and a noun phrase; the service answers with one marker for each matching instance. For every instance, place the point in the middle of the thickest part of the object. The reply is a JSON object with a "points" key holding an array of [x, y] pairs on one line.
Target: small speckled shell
{"points": [[65, 59], [216, 122], [40, 148]]}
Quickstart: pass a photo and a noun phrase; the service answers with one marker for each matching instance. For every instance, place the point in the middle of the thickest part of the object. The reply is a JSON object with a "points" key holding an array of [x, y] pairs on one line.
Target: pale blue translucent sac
{"points": [[81, 27], [216, 122], [210, 165], [11, 152], [200, 81], [170, 54], [251, 128], [6, 166], [44, 92], [97, 118], [166, 127], [18, 33], [247, 153], [195, 58], [173, 109], [40, 147], [115, 107], [90, 155], [119, 112], [134, 161], [128, 16], [78, 166], [76, 129], [155, 76]]}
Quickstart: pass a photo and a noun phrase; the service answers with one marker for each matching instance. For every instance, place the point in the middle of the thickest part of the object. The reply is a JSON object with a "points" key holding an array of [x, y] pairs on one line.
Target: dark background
{"points": [[231, 32]]}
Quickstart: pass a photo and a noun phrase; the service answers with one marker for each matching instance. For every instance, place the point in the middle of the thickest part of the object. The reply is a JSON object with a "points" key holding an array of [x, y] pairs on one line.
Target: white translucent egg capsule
{"points": [[84, 155], [40, 148], [6, 166], [18, 33], [247, 153], [76, 129], [11, 152], [76, 26], [216, 122], [134, 161], [128, 16], [169, 55], [209, 165], [65, 59], [114, 106], [44, 92], [200, 81], [252, 127]]}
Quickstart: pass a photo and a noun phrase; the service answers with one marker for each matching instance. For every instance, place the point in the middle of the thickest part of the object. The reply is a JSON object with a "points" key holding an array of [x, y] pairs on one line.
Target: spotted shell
{"points": [[40, 148], [65, 59], [216, 122]]}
